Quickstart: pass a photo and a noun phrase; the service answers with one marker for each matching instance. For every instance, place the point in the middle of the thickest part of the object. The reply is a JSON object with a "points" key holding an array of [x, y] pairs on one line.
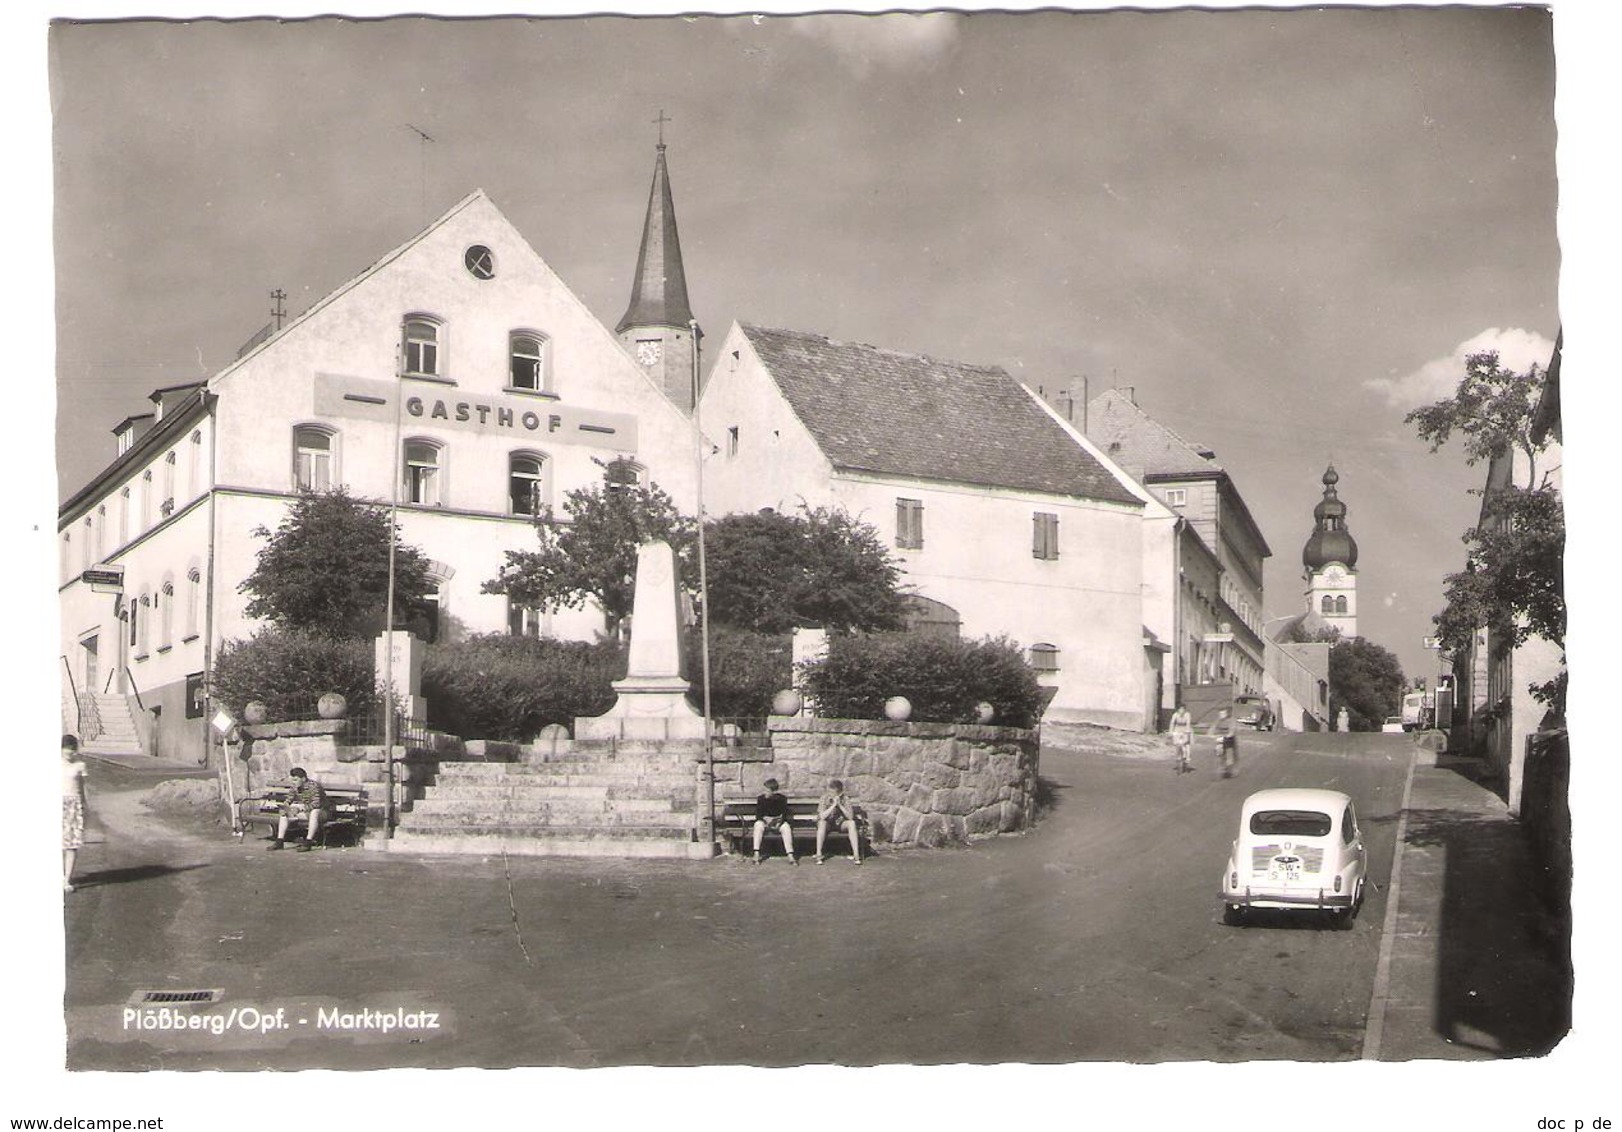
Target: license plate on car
{"points": [[1285, 868]]}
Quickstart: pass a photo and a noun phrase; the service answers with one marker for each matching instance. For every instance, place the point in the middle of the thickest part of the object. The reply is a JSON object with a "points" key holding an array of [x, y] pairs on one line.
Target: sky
{"points": [[1269, 223]]}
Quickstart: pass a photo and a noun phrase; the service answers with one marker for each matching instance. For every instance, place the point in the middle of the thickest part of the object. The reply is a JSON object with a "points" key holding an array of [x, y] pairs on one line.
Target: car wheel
{"points": [[1233, 915]]}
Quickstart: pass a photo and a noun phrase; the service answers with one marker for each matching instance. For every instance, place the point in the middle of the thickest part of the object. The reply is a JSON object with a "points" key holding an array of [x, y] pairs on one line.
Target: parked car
{"points": [[1253, 712], [1392, 725], [1297, 849]]}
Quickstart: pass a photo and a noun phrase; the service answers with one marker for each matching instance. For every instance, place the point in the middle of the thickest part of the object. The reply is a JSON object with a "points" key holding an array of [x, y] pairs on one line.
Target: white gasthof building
{"points": [[463, 347], [1003, 523]]}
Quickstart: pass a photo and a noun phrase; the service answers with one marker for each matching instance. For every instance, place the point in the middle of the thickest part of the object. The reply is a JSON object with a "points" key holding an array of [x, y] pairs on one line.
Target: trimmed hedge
{"points": [[746, 670], [500, 687], [289, 670], [945, 678]]}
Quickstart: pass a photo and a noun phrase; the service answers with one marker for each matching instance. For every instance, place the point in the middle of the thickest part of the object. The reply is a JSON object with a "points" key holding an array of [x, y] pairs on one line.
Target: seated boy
{"points": [[834, 809], [306, 800], [772, 812]]}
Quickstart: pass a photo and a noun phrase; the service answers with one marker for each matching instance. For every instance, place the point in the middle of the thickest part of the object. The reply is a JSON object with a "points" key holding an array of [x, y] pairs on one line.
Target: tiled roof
{"points": [[1141, 444], [889, 413]]}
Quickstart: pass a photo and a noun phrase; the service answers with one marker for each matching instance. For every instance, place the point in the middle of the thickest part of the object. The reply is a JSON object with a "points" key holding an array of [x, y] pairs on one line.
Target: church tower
{"points": [[655, 328], [1330, 559]]}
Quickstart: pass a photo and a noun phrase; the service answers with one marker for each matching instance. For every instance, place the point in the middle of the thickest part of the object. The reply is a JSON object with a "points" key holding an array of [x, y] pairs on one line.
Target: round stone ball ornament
{"points": [[984, 712], [255, 712], [787, 702], [332, 706], [898, 709]]}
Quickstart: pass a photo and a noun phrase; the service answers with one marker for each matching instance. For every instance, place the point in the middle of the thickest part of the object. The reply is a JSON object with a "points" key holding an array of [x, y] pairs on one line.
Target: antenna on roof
{"points": [[277, 310], [422, 167]]}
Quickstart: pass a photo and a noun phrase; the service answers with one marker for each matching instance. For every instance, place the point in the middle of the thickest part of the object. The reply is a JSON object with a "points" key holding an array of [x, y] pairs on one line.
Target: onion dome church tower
{"points": [[1330, 561], [655, 329]]}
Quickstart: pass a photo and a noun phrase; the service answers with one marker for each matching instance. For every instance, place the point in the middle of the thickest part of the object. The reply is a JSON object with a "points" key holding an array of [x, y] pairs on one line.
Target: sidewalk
{"points": [[1479, 958]]}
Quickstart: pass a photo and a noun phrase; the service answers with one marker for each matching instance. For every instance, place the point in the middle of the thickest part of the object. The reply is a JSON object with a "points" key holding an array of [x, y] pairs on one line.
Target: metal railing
{"points": [[86, 711]]}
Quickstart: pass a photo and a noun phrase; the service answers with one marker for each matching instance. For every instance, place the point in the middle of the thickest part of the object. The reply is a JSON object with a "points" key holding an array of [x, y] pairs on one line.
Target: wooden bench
{"points": [[735, 825], [345, 810]]}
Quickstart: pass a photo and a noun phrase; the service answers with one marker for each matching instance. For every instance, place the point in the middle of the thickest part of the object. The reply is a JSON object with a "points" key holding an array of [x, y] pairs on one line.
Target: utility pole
{"points": [[278, 309]]}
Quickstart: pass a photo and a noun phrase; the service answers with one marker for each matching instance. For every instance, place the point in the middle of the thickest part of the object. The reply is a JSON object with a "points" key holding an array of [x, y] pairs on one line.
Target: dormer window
{"points": [[421, 351], [126, 439]]}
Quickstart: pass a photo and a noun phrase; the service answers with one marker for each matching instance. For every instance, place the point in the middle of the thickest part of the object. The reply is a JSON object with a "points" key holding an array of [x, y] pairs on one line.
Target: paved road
{"points": [[1098, 937]]}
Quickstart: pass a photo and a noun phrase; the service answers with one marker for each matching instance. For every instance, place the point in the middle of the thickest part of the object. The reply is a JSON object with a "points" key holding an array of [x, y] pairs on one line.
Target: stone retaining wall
{"points": [[269, 750], [920, 783]]}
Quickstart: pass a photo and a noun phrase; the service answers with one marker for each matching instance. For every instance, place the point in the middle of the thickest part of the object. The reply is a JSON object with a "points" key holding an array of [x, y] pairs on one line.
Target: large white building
{"points": [[1003, 520], [459, 375], [462, 347]]}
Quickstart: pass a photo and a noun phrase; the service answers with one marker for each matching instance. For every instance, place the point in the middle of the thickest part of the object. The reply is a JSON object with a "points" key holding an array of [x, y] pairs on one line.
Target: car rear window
{"points": [[1290, 823]]}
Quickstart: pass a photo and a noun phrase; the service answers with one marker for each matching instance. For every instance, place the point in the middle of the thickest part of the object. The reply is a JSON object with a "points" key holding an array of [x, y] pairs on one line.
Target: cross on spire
{"points": [[660, 122]]}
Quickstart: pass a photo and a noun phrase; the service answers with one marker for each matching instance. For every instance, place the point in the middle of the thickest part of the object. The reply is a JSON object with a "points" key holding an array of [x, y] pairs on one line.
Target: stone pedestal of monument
{"points": [[652, 704]]}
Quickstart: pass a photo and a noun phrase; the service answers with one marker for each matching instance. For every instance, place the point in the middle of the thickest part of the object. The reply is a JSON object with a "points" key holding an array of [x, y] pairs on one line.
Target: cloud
{"points": [[895, 41], [1517, 350]]}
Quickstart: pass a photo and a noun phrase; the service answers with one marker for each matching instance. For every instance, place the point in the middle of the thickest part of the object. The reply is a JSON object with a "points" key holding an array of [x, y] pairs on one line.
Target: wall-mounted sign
{"points": [[544, 420], [104, 579]]}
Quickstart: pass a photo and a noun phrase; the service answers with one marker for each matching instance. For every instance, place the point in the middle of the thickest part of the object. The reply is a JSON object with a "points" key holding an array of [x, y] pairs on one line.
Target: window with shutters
{"points": [[909, 524], [1045, 535]]}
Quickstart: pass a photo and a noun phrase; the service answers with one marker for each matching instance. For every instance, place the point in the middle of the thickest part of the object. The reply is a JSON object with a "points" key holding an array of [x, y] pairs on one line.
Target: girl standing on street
{"points": [[1182, 737], [73, 807]]}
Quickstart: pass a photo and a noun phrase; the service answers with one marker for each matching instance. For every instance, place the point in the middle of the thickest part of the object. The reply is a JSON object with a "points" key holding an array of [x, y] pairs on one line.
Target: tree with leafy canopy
{"points": [[1513, 581], [1491, 409], [590, 555], [769, 572], [325, 570], [1367, 681]]}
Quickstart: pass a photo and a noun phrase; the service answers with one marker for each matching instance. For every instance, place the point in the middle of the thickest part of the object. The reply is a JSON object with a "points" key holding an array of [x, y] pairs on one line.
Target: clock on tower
{"points": [[649, 351]]}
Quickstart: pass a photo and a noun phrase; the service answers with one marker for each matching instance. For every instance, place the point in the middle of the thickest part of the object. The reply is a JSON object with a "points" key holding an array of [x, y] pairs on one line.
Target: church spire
{"points": [[658, 329], [659, 291]]}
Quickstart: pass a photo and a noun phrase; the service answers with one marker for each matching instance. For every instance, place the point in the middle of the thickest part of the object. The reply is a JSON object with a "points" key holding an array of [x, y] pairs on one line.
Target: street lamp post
{"points": [[703, 598]]}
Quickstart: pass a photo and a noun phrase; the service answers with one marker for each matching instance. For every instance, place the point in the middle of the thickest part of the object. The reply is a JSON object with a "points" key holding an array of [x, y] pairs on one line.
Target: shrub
{"points": [[746, 670], [288, 670], [944, 678], [501, 687]]}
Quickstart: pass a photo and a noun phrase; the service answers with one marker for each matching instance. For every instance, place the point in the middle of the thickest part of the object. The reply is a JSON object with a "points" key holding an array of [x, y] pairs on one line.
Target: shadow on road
{"points": [[131, 875], [1504, 979]]}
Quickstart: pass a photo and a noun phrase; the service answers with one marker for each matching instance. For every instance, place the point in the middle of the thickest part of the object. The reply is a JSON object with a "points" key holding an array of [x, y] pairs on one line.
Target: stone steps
{"points": [[577, 805], [568, 766], [668, 824], [581, 810]]}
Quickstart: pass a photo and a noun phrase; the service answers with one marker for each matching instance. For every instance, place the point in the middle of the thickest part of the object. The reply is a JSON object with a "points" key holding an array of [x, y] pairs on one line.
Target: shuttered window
{"points": [[909, 524], [1044, 535]]}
